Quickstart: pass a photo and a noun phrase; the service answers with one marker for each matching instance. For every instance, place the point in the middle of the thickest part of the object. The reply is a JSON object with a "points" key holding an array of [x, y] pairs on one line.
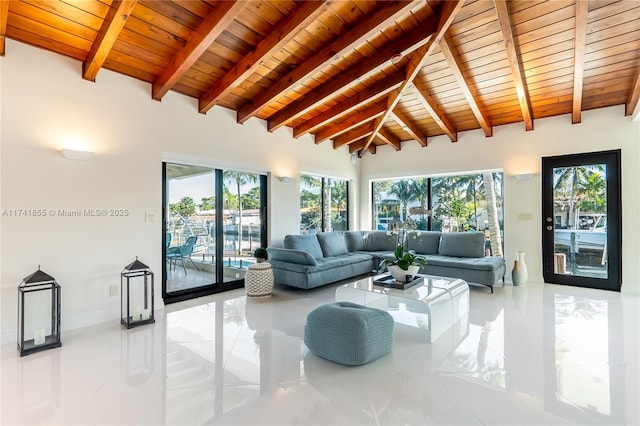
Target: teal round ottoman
{"points": [[348, 333]]}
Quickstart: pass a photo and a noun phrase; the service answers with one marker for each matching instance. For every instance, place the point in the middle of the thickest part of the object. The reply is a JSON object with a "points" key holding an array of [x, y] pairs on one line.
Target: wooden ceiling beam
{"points": [[582, 11], [411, 41], [363, 97], [409, 126], [350, 122], [352, 135], [206, 33], [300, 19], [358, 147], [631, 106], [4, 15], [388, 138], [387, 15], [107, 35], [436, 113], [453, 60], [448, 13], [514, 62]]}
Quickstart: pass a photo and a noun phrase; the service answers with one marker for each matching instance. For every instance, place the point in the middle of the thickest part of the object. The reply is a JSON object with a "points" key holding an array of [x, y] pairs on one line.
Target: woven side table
{"points": [[258, 281]]}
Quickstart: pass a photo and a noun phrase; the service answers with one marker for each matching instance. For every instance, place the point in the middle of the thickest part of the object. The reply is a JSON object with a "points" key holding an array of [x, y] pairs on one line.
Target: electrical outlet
{"points": [[113, 290], [149, 217], [237, 275]]}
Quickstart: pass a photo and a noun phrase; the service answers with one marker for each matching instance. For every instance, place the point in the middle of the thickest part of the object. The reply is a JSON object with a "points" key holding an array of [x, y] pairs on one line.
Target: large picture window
{"points": [[471, 202], [324, 204]]}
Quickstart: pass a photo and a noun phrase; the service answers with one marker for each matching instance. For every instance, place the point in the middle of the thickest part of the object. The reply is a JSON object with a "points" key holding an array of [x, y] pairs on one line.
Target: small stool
{"points": [[258, 281], [348, 333]]}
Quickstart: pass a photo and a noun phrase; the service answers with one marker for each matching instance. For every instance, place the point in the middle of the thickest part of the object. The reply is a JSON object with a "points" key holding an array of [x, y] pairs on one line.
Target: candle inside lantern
{"points": [[145, 315], [138, 313], [38, 336]]}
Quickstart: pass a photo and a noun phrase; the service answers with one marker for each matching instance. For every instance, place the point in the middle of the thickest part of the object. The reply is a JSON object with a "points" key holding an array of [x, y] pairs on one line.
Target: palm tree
{"points": [[403, 190], [492, 214], [568, 180], [420, 187], [469, 185], [593, 192], [239, 178], [311, 183], [446, 190], [326, 208]]}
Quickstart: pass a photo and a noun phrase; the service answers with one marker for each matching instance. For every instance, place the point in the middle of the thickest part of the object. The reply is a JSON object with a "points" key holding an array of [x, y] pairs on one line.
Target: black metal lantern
{"points": [[38, 313], [136, 295]]}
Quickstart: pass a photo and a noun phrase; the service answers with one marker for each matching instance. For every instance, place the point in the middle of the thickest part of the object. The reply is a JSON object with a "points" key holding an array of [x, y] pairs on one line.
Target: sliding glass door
{"points": [[213, 221]]}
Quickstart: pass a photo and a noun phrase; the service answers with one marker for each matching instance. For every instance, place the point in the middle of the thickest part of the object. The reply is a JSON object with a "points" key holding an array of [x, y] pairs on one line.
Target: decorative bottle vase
{"points": [[516, 274], [519, 274]]}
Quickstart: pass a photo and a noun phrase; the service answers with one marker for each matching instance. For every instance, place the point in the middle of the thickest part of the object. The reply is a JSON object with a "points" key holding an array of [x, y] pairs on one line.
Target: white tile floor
{"points": [[535, 355]]}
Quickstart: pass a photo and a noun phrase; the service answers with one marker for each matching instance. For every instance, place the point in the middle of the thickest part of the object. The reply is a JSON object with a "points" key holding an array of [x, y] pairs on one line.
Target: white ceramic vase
{"points": [[400, 274], [519, 274]]}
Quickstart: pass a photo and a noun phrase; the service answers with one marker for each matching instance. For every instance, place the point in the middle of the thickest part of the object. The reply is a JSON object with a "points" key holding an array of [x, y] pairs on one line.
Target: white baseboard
{"points": [[74, 323]]}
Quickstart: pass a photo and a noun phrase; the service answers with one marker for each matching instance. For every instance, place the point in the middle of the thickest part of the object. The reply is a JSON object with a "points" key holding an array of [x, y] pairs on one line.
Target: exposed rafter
{"points": [[359, 147], [447, 15], [210, 29], [582, 10], [514, 62], [411, 41], [111, 26], [389, 12], [303, 16], [388, 138], [352, 135], [380, 88], [454, 64], [350, 122], [409, 126], [436, 113], [631, 107], [4, 15]]}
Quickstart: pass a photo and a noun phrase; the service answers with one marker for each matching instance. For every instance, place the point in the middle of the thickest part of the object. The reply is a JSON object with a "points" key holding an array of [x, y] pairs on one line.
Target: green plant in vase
{"points": [[261, 254], [405, 264]]}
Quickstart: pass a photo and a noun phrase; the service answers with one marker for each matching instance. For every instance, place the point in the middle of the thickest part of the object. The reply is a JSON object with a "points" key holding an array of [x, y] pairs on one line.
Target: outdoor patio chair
{"points": [[182, 252]]}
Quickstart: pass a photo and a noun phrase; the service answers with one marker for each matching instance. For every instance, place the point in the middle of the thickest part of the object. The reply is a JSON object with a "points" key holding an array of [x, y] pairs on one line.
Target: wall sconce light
{"points": [[284, 178], [524, 176], [71, 154]]}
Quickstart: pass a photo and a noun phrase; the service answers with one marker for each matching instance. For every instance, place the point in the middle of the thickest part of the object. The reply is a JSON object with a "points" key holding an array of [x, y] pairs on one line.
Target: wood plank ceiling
{"points": [[356, 72]]}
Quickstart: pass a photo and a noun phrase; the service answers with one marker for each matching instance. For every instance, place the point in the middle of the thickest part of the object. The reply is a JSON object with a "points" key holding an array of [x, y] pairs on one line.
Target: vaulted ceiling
{"points": [[358, 73]]}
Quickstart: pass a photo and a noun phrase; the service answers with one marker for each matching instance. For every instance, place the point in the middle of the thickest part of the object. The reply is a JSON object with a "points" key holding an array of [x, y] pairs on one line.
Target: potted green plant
{"points": [[405, 264], [261, 254]]}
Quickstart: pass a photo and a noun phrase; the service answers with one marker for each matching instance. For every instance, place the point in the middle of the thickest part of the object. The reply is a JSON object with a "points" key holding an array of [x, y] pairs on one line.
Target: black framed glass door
{"points": [[213, 220], [582, 221]]}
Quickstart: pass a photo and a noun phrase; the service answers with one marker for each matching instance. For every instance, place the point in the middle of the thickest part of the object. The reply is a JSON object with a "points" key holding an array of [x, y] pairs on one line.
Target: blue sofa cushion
{"points": [[293, 256], [462, 244], [380, 241], [488, 263], [424, 242], [308, 243], [332, 243], [355, 240]]}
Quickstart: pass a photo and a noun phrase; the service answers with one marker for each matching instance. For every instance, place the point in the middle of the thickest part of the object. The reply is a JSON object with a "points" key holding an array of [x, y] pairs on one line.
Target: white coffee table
{"points": [[434, 306]]}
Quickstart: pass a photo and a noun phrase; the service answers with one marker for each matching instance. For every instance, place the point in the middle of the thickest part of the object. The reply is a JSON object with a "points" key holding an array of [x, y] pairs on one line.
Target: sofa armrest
{"points": [[291, 255]]}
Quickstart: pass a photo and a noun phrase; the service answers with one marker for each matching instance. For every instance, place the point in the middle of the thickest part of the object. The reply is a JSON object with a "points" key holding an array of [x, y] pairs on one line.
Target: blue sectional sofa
{"points": [[309, 261]]}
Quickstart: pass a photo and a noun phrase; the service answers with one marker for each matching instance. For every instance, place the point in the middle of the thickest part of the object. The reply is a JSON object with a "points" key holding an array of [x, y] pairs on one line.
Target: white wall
{"points": [[47, 106], [515, 151]]}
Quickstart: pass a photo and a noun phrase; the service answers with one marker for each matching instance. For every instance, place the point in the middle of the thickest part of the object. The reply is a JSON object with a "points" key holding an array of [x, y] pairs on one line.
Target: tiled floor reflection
{"points": [[534, 355]]}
